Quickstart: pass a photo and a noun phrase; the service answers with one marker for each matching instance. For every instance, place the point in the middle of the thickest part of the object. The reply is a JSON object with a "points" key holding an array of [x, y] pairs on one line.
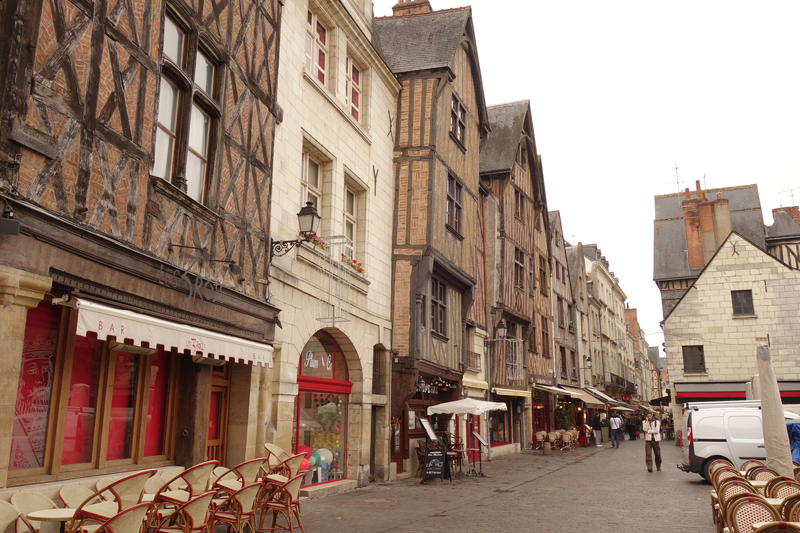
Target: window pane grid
{"points": [[742, 302], [693, 359], [316, 47], [438, 307]]}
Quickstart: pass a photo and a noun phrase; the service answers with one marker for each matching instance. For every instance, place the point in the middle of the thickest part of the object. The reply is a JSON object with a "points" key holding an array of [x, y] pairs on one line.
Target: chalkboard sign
{"points": [[480, 439], [435, 461]]}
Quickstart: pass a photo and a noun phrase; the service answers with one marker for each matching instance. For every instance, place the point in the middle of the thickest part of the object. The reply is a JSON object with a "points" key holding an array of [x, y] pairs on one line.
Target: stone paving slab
{"points": [[589, 489]]}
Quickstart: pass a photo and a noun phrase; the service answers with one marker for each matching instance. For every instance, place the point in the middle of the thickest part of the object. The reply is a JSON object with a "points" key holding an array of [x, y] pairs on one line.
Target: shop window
{"points": [[323, 408], [500, 431], [94, 417]]}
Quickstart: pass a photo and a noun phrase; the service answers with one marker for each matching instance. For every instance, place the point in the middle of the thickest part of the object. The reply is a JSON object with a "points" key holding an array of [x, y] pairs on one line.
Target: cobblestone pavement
{"points": [[588, 489]]}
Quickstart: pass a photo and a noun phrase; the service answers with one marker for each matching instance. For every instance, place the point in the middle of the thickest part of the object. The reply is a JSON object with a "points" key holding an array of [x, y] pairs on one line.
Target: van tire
{"points": [[706, 465]]}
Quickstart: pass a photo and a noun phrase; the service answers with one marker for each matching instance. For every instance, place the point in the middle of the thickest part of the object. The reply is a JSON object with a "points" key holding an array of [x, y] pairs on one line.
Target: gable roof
{"points": [[424, 41], [670, 260], [499, 152], [783, 227], [713, 260]]}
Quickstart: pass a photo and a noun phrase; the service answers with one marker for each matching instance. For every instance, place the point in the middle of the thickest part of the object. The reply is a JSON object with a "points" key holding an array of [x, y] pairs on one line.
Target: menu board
{"points": [[435, 460], [480, 439], [426, 425]]}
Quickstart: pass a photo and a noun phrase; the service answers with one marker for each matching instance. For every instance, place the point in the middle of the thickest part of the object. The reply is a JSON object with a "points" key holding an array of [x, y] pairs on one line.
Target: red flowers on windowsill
{"points": [[355, 265]]}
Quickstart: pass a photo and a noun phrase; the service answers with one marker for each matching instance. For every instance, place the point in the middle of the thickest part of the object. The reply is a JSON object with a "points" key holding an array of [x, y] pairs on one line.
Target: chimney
{"points": [[722, 219], [691, 224], [411, 7], [793, 212]]}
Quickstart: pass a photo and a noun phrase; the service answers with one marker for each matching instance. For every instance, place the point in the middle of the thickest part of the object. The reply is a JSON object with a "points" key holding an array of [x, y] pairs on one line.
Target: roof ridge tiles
{"points": [[410, 15]]}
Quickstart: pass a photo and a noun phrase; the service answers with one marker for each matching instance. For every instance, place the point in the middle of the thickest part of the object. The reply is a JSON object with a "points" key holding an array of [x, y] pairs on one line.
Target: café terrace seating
{"points": [[194, 501]]}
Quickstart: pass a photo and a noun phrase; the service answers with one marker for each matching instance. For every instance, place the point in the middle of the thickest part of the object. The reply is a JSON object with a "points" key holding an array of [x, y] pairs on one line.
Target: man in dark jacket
{"points": [[597, 427]]}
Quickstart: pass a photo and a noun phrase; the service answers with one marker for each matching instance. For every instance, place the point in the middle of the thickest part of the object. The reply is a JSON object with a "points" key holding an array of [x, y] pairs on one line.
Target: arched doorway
{"points": [[323, 408]]}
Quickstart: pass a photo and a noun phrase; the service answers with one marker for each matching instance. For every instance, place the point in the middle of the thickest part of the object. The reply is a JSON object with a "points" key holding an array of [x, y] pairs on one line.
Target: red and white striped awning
{"points": [[124, 324]]}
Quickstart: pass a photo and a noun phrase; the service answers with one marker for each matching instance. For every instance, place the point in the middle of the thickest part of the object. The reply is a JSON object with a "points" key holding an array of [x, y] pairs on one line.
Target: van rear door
{"points": [[745, 436]]}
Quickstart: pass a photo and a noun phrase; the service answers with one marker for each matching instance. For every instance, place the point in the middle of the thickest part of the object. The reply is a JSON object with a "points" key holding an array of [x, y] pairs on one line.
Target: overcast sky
{"points": [[621, 92]]}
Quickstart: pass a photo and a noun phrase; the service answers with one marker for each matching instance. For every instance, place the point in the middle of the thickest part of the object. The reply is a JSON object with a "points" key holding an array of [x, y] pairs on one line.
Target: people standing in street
{"points": [[616, 430], [631, 424], [652, 437], [597, 427]]}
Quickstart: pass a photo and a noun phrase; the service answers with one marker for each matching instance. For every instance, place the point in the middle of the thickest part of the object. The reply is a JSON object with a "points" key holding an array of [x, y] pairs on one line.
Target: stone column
{"points": [[19, 291]]}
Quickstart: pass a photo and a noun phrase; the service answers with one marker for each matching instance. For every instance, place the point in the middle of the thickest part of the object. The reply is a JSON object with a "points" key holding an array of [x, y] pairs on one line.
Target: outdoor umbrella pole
{"points": [[776, 438]]}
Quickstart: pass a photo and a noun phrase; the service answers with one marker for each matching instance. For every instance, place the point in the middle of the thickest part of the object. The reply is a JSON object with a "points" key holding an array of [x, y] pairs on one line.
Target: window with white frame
{"points": [[457, 118], [312, 181], [454, 195], [350, 220], [182, 154], [316, 47], [353, 89]]}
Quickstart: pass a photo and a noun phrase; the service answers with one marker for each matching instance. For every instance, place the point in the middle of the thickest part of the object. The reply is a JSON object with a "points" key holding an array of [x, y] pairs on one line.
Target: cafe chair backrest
{"points": [[8, 517], [750, 463], [154, 484], [25, 502], [74, 495], [790, 506], [276, 450], [130, 520], [293, 464], [191, 516], [761, 473], [196, 477], [777, 527], [128, 490], [745, 511]]}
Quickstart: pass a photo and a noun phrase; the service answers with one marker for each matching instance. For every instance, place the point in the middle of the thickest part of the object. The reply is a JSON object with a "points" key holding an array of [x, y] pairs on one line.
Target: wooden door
{"points": [[218, 414]]}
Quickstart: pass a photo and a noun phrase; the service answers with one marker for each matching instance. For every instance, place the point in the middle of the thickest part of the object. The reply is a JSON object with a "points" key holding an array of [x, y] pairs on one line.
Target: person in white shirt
{"points": [[616, 430], [652, 437]]}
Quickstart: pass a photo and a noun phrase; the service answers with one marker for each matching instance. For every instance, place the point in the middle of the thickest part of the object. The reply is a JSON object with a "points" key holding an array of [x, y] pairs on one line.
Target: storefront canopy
{"points": [[467, 406], [622, 409], [600, 395], [511, 392], [587, 398], [123, 324], [554, 390]]}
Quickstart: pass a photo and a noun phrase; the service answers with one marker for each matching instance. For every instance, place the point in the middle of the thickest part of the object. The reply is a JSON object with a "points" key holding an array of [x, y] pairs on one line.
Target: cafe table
{"points": [[52, 515]]}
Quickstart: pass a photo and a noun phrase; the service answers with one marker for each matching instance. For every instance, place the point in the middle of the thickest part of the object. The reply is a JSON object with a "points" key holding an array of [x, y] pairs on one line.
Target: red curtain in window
{"points": [[32, 409], [157, 404], [123, 403], [82, 402]]}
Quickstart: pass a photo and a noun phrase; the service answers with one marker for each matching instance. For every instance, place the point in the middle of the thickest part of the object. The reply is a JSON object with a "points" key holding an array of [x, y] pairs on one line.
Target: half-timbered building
{"points": [[334, 149], [439, 123], [136, 143], [517, 238], [565, 348]]}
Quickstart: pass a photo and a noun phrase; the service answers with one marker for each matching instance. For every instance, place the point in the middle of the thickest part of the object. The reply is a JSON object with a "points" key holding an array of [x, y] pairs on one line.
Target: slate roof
{"points": [[652, 355], [425, 41], [500, 149], [783, 227], [669, 240]]}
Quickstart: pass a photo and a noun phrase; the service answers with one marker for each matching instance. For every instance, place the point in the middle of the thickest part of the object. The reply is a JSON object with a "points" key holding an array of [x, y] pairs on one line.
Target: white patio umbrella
{"points": [[467, 406], [776, 438]]}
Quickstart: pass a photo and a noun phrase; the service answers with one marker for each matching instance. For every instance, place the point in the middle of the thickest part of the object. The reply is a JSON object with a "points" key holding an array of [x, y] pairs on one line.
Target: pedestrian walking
{"points": [[616, 427], [652, 438], [630, 425], [597, 427]]}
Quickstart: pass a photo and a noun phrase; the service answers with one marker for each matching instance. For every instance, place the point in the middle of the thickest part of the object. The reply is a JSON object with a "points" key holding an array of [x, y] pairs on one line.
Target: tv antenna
{"points": [[677, 180], [790, 192]]}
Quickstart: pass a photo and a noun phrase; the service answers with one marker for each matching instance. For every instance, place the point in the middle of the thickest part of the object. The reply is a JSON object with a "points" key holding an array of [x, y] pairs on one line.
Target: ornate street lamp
{"points": [[308, 219], [501, 329]]}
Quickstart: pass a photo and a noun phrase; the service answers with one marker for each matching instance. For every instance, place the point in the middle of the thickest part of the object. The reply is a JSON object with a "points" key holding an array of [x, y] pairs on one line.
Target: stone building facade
{"points": [[332, 149], [439, 124], [136, 143]]}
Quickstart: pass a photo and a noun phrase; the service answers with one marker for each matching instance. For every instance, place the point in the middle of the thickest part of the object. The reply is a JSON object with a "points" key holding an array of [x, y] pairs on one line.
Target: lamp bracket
{"points": [[279, 248]]}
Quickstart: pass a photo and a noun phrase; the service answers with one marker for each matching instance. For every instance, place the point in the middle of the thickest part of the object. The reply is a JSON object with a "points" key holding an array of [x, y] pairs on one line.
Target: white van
{"points": [[723, 430]]}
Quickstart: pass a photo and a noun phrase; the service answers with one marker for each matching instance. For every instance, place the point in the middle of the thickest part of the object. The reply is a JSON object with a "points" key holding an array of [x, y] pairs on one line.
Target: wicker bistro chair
{"points": [[74, 495], [790, 508], [781, 487], [277, 451], [130, 520], [180, 489], [26, 502], [191, 517], [761, 473], [237, 510], [744, 510], [125, 493], [777, 527], [750, 463], [722, 473], [154, 484], [284, 502], [541, 436], [554, 439], [728, 488], [240, 475], [8, 517]]}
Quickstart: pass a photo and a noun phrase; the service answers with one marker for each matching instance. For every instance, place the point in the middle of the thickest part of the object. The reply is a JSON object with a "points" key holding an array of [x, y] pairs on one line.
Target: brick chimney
{"points": [[691, 223], [793, 212], [411, 7], [707, 225]]}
